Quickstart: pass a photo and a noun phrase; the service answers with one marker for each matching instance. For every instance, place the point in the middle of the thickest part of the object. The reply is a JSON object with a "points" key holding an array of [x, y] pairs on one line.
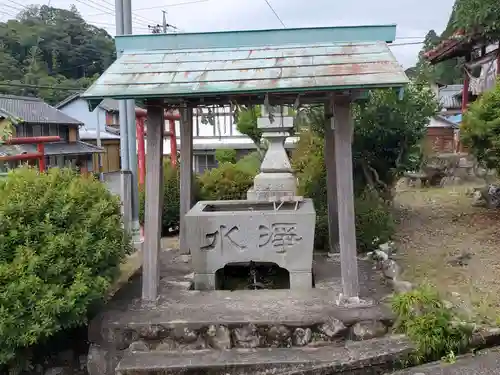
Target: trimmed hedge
{"points": [[171, 199], [225, 156], [229, 180], [61, 245]]}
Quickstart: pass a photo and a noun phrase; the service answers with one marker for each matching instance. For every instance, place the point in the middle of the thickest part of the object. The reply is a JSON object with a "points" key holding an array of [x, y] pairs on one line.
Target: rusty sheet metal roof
{"points": [[225, 71]]}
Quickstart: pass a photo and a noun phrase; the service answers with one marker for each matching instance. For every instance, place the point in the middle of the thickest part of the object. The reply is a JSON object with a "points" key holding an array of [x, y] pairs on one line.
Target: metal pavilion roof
{"points": [[182, 70]]}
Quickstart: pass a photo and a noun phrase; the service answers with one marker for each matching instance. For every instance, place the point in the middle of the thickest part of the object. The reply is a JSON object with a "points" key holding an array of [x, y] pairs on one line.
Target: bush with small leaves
{"points": [[61, 244], [250, 163], [225, 155], [171, 199], [434, 328], [226, 182], [374, 221]]}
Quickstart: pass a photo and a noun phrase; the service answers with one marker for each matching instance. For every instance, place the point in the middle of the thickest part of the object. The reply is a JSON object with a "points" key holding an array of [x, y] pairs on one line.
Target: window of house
{"points": [[21, 130], [59, 130], [37, 130], [51, 162], [204, 162], [53, 130], [45, 130], [63, 133]]}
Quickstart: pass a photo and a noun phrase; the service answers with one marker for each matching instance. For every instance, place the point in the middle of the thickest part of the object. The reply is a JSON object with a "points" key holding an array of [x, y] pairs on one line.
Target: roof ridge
{"points": [[68, 100], [18, 97]]}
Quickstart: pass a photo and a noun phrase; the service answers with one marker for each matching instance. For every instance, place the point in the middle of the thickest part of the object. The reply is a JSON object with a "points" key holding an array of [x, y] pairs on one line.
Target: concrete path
{"points": [[483, 363]]}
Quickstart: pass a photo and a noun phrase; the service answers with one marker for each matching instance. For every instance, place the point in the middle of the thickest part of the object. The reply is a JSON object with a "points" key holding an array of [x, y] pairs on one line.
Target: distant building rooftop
{"points": [[31, 110]]}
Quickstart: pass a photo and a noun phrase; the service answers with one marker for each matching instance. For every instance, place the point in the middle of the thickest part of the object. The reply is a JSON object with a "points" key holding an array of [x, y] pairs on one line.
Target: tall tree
{"points": [[478, 17], [423, 70], [447, 72]]}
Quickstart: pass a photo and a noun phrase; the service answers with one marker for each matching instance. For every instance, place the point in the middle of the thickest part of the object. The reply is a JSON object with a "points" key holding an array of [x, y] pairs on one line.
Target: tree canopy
{"points": [[470, 16], [46, 47], [480, 129], [478, 17]]}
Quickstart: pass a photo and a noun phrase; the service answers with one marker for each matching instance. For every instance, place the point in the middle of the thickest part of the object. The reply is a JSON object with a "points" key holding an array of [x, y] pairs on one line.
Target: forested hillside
{"points": [[446, 72], [46, 47]]}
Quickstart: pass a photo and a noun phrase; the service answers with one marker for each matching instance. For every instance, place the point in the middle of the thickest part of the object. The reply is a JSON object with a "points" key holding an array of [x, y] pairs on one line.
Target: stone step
{"points": [[271, 315], [353, 357]]}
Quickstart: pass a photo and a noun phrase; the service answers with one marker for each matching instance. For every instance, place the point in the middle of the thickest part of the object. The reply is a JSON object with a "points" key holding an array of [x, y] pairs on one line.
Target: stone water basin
{"points": [[228, 232]]}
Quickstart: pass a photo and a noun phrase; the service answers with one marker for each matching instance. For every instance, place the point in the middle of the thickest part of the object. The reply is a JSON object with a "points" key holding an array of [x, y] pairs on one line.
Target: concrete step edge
{"points": [[354, 355]]}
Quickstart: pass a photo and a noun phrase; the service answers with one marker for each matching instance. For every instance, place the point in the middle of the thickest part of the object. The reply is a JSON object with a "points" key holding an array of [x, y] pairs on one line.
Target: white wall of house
{"points": [[207, 137], [79, 110]]}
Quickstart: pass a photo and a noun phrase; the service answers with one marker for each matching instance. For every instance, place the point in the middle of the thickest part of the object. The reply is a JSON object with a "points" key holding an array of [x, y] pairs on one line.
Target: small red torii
{"points": [[141, 115], [39, 155]]}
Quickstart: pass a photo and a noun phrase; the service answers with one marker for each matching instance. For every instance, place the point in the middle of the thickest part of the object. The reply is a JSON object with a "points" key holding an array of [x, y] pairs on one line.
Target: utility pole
{"points": [[164, 21], [129, 184], [132, 138]]}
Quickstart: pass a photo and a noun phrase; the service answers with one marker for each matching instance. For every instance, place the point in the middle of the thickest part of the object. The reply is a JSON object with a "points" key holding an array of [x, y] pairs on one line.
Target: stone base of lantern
{"points": [[273, 186]]}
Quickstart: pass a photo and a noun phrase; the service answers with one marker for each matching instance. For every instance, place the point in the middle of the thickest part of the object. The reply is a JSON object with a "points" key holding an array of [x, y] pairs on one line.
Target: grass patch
{"points": [[435, 227], [435, 329]]}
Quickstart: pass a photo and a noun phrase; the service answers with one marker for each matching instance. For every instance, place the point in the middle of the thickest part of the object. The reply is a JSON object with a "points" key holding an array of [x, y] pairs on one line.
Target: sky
{"points": [[414, 18]]}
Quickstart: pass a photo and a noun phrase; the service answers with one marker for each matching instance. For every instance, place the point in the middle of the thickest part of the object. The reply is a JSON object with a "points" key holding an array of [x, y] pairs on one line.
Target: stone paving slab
{"points": [[483, 363], [324, 360], [178, 305]]}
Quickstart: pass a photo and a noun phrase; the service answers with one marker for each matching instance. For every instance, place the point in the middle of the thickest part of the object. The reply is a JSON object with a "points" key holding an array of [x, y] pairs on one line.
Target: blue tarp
{"points": [[457, 119]]}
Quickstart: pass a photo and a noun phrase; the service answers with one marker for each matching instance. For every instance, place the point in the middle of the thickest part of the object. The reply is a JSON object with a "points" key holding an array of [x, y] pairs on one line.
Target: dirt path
{"points": [[446, 242]]}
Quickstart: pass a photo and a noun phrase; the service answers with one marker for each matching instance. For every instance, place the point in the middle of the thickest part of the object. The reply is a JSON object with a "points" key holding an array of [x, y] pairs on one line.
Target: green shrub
{"points": [[433, 327], [374, 222], [171, 199], [226, 182], [250, 163], [480, 128], [225, 156], [61, 244]]}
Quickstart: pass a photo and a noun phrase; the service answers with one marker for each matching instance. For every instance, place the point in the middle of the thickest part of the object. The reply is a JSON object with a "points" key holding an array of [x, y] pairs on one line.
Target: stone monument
{"points": [[273, 225]]}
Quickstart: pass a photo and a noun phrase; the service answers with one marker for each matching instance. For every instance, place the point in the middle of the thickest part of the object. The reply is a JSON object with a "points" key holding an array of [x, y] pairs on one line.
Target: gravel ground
{"points": [[446, 242]]}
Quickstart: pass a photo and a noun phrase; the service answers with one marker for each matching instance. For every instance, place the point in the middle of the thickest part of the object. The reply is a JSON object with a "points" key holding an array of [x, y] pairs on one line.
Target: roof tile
{"points": [[33, 110]]}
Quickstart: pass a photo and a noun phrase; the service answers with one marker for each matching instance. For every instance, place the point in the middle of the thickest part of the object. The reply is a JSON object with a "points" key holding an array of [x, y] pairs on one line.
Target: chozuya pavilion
{"points": [[286, 67], [173, 329]]}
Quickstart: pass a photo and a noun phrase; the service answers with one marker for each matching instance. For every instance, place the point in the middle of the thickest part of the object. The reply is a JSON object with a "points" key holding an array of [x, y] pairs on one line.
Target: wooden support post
{"points": [[186, 172], [331, 179], [154, 201], [343, 123]]}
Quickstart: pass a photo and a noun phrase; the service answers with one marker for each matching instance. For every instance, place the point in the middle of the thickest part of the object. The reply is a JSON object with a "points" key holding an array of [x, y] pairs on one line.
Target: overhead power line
{"points": [[25, 85], [7, 14], [16, 3], [107, 10], [112, 6], [157, 7], [275, 13]]}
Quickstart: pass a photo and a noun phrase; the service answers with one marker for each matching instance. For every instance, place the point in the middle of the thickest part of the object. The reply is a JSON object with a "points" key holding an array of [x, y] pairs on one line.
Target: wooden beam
{"points": [[343, 133], [486, 58], [186, 172], [331, 178], [154, 201], [465, 90], [309, 98]]}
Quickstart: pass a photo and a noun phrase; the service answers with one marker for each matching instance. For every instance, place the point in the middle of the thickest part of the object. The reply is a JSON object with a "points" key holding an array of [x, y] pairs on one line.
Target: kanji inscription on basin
{"points": [[280, 235], [228, 232], [222, 238]]}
